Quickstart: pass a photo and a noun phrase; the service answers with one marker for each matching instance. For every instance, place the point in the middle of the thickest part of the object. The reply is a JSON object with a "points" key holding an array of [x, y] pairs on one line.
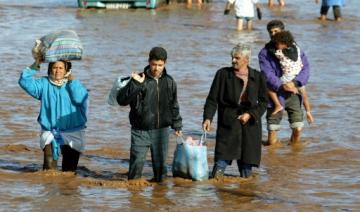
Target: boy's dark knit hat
{"points": [[158, 53]]}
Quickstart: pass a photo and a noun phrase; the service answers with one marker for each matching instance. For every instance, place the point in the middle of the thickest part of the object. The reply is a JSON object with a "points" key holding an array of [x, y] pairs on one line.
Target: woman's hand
{"points": [[71, 77], [206, 125], [244, 118], [39, 60], [138, 77]]}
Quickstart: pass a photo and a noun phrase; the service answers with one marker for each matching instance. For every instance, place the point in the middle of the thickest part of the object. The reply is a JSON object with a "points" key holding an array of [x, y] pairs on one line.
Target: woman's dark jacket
{"points": [[153, 104], [235, 141]]}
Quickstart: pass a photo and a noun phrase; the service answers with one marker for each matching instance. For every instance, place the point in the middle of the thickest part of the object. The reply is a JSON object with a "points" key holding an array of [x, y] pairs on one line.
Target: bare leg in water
{"points": [[295, 136], [281, 3], [272, 137], [49, 162]]}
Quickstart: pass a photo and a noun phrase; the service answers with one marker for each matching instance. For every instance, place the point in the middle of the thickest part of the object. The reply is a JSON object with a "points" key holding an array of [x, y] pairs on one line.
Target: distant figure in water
{"points": [[325, 6], [288, 54], [189, 2], [244, 11], [63, 108], [281, 3]]}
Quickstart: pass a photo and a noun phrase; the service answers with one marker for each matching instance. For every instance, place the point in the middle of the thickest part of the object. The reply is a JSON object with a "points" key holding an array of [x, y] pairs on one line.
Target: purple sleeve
{"points": [[303, 77], [272, 80]]}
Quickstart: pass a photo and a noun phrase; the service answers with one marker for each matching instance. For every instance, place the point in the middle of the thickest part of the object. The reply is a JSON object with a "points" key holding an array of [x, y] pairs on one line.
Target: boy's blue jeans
{"points": [[220, 166], [141, 140]]}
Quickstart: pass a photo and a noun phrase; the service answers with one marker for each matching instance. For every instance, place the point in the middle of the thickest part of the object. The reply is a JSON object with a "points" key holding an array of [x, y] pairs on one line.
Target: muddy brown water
{"points": [[321, 174]]}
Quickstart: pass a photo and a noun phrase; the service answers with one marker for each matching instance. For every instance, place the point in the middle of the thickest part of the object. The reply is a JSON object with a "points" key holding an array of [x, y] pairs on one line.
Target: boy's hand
{"points": [[138, 77]]}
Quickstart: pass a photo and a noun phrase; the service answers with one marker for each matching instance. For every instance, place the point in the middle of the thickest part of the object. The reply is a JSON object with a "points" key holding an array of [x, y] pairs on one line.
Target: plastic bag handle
{"points": [[203, 139]]}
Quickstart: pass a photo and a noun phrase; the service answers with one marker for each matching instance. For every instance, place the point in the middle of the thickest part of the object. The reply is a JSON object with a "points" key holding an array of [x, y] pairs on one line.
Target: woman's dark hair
{"points": [[67, 65], [284, 37]]}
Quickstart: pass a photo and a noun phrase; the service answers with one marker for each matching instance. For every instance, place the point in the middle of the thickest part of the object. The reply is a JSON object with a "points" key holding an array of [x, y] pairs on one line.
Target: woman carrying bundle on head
{"points": [[62, 117]]}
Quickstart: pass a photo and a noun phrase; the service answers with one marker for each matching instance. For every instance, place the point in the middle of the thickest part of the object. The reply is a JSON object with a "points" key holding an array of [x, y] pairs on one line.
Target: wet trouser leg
{"points": [[141, 141], [244, 169], [337, 12], [137, 161], [219, 168], [324, 10], [159, 149], [49, 162], [70, 158], [139, 146]]}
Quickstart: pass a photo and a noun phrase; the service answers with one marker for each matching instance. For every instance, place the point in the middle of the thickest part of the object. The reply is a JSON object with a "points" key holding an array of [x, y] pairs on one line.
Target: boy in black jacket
{"points": [[152, 96]]}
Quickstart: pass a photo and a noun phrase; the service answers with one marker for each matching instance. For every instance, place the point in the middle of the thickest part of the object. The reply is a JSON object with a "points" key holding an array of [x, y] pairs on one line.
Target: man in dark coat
{"points": [[239, 94], [152, 96]]}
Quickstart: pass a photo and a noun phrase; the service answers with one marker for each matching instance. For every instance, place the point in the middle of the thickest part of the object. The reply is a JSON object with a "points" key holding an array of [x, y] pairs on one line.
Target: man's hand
{"points": [[244, 118], [309, 117], [290, 87], [206, 125], [178, 133], [138, 77]]}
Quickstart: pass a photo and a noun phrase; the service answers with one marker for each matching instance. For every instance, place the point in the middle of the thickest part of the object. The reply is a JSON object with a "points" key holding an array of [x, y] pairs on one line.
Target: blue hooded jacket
{"points": [[62, 107], [333, 3]]}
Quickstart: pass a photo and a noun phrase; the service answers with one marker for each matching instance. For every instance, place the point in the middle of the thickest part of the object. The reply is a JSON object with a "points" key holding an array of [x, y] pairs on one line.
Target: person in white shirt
{"points": [[244, 10]]}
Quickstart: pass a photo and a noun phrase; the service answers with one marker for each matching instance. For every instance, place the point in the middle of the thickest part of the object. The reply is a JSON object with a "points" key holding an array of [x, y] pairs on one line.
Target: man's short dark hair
{"points": [[275, 24], [157, 53], [284, 37]]}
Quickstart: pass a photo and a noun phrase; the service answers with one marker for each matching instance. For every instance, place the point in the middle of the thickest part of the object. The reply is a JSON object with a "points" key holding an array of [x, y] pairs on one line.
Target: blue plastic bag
{"points": [[190, 161]]}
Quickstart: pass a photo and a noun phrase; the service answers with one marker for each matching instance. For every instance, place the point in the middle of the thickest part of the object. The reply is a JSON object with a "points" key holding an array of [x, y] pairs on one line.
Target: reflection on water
{"points": [[320, 174], [115, 198]]}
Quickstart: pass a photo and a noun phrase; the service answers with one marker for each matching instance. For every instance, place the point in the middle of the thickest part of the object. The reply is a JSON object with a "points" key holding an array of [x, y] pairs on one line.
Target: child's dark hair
{"points": [[284, 37], [67, 65], [157, 53]]}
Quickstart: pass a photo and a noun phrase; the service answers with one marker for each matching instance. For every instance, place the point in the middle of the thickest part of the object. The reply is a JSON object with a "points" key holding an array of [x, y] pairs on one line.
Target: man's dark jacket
{"points": [[153, 104]]}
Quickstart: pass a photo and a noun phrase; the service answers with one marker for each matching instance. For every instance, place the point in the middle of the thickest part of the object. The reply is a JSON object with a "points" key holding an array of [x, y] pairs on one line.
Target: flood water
{"points": [[321, 174]]}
